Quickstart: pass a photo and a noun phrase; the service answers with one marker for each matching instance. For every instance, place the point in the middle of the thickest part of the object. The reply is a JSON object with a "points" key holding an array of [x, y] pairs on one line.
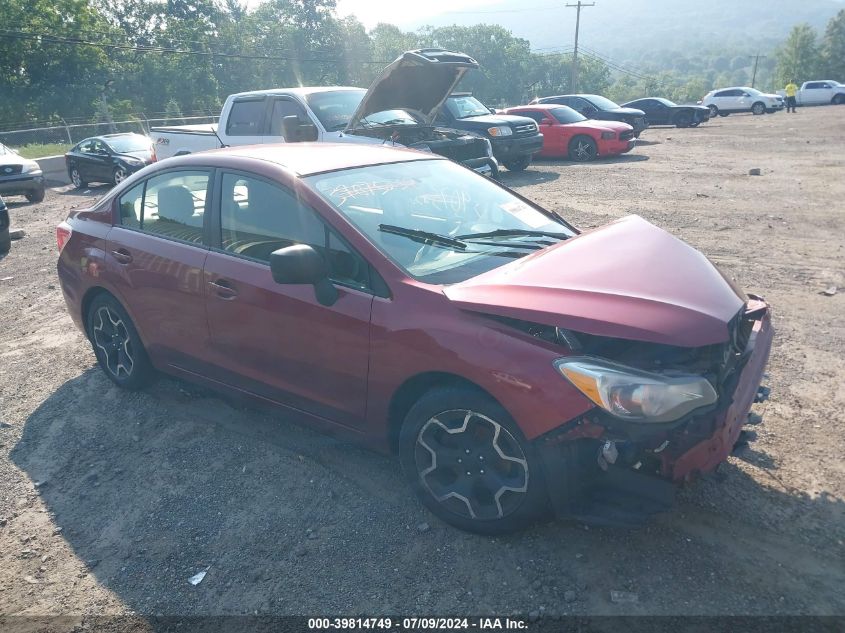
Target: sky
{"points": [[401, 12]]}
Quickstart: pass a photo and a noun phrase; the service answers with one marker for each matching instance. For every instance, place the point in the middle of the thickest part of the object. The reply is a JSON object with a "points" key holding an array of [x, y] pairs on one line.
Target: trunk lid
{"points": [[628, 279]]}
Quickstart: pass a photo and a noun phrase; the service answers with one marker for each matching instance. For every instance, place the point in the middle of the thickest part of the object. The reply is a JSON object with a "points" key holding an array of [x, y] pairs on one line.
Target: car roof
{"points": [[305, 159], [302, 91], [539, 106]]}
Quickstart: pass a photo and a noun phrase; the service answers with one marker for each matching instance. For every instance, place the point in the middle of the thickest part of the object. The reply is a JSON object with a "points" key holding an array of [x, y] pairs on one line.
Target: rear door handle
{"points": [[122, 256], [223, 289]]}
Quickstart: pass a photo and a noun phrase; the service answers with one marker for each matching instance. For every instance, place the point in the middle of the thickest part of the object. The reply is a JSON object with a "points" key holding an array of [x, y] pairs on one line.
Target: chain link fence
{"points": [[64, 133]]}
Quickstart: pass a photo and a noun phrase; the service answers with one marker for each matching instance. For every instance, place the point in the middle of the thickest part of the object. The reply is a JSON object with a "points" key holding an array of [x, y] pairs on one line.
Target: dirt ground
{"points": [[111, 501]]}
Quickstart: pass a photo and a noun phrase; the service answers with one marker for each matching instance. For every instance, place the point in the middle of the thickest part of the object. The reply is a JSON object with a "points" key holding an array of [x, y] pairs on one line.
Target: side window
{"points": [[86, 147], [723, 93], [130, 204], [257, 218], [281, 109], [174, 205], [811, 86], [98, 147], [246, 118]]}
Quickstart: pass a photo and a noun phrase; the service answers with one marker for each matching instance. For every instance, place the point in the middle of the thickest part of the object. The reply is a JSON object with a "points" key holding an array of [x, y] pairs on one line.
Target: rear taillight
{"points": [[63, 233]]}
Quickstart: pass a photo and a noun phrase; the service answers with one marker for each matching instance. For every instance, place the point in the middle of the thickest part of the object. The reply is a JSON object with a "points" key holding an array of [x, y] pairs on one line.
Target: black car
{"points": [[20, 176], [515, 139], [601, 109], [109, 158], [659, 111], [5, 240]]}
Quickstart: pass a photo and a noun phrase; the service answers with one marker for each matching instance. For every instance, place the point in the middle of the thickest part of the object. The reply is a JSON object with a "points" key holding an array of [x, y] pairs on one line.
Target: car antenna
{"points": [[219, 140]]}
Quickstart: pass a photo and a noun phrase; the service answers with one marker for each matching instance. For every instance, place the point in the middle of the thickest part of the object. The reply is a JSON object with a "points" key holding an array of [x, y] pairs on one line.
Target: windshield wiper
{"points": [[422, 236], [512, 233]]}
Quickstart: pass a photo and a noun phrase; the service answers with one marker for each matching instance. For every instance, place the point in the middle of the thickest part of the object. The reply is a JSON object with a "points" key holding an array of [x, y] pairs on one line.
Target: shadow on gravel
{"points": [[87, 192], [527, 177], [152, 488]]}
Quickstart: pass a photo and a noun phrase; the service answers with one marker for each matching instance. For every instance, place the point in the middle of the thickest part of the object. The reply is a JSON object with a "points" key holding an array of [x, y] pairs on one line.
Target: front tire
{"points": [[116, 344], [119, 175], [469, 464], [5, 241], [758, 108], [36, 196], [684, 119], [518, 164], [582, 149], [838, 99], [713, 110]]}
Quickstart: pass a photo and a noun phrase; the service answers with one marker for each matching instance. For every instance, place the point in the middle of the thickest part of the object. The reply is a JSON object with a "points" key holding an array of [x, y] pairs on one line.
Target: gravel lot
{"points": [[111, 501]]}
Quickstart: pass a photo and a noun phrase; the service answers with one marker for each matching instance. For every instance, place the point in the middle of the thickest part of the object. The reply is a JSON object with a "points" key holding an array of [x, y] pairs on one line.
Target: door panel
{"points": [[156, 257], [277, 340]]}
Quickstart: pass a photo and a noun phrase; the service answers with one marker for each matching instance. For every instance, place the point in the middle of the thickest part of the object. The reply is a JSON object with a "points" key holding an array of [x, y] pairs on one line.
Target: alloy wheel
{"points": [[76, 178], [112, 339], [583, 151], [758, 108], [471, 464], [119, 175]]}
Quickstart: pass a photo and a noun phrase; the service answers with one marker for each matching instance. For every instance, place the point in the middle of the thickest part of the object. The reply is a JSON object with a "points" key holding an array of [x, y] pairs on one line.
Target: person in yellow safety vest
{"points": [[791, 89]]}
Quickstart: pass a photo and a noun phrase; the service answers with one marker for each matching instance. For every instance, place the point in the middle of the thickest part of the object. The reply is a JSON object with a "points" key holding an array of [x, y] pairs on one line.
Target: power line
{"points": [[52, 39]]}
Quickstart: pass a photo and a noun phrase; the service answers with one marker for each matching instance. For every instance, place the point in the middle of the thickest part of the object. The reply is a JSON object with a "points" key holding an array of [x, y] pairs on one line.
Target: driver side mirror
{"points": [[297, 131], [301, 264], [546, 122]]}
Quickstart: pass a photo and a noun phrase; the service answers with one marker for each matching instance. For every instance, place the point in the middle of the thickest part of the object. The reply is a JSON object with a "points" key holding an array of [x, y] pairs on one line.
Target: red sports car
{"points": [[516, 365], [566, 133]]}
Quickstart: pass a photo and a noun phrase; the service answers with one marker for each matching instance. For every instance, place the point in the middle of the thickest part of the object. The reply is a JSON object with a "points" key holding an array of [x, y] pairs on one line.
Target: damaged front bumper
{"points": [[608, 476]]}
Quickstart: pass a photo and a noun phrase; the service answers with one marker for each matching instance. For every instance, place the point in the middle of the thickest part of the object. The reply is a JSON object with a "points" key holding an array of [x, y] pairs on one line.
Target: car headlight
{"points": [[633, 394], [31, 168], [499, 131], [134, 162], [608, 135]]}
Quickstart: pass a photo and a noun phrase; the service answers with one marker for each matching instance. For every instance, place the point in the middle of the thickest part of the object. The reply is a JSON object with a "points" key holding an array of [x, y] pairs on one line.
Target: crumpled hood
{"points": [[419, 81], [144, 155], [628, 279]]}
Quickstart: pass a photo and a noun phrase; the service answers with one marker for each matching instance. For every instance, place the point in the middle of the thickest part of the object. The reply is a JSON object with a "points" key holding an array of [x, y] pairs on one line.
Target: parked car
{"points": [[660, 111], [515, 139], [515, 364], [727, 101], [399, 109], [5, 239], [566, 133], [20, 176], [601, 109], [109, 158], [819, 92]]}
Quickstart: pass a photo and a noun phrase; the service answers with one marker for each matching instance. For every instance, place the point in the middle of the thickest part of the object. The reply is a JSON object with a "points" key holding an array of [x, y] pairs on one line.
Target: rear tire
{"points": [[518, 164], [36, 196], [838, 99], [468, 462], [758, 108], [5, 241], [582, 149], [116, 344], [713, 111], [76, 179]]}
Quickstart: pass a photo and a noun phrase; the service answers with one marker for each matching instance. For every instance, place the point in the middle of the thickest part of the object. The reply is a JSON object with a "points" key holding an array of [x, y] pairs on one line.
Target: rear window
{"points": [[246, 118]]}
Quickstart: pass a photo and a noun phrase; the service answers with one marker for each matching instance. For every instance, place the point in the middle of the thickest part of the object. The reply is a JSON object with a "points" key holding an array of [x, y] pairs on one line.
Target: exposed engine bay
{"points": [[453, 144]]}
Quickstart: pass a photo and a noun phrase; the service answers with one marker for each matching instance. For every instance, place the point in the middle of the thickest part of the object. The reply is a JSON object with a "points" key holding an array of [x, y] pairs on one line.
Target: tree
{"points": [[799, 57], [833, 48]]}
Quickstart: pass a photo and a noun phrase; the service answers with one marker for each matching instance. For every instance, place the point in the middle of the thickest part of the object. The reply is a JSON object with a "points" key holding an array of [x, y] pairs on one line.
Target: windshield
{"points": [[440, 222], [334, 108], [390, 117], [465, 107], [5, 150], [134, 143], [601, 103], [752, 91], [565, 114]]}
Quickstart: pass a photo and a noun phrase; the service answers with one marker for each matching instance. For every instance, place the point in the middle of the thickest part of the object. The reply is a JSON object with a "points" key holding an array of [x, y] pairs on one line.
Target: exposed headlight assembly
{"points": [[636, 395], [31, 168]]}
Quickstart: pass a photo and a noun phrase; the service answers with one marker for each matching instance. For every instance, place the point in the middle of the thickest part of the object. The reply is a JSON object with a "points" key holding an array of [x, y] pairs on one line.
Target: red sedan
{"points": [[516, 365], [569, 134]]}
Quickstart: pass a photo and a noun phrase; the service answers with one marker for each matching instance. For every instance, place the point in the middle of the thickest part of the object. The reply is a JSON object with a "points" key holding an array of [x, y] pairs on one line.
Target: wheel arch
{"points": [[91, 294], [414, 388]]}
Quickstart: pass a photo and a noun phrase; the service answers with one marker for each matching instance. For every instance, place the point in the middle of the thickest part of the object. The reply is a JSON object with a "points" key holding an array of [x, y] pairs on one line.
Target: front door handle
{"points": [[223, 289], [122, 256]]}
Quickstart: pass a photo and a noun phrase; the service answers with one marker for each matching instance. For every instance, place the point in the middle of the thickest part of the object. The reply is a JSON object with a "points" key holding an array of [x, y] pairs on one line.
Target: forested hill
{"points": [[632, 28]]}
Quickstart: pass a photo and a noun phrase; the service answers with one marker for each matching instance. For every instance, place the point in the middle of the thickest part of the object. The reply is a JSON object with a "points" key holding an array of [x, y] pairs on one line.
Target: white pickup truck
{"points": [[820, 92], [399, 108]]}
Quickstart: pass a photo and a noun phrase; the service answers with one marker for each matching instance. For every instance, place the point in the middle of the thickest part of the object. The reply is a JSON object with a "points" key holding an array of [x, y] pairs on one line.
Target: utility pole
{"points": [[754, 74], [574, 77]]}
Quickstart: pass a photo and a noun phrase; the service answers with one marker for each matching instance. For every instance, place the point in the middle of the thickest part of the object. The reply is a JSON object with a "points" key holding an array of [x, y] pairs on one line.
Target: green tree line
{"points": [[69, 58]]}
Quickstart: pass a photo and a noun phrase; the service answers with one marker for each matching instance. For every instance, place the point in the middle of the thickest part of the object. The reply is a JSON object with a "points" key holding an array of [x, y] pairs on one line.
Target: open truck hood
{"points": [[418, 81], [628, 279]]}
